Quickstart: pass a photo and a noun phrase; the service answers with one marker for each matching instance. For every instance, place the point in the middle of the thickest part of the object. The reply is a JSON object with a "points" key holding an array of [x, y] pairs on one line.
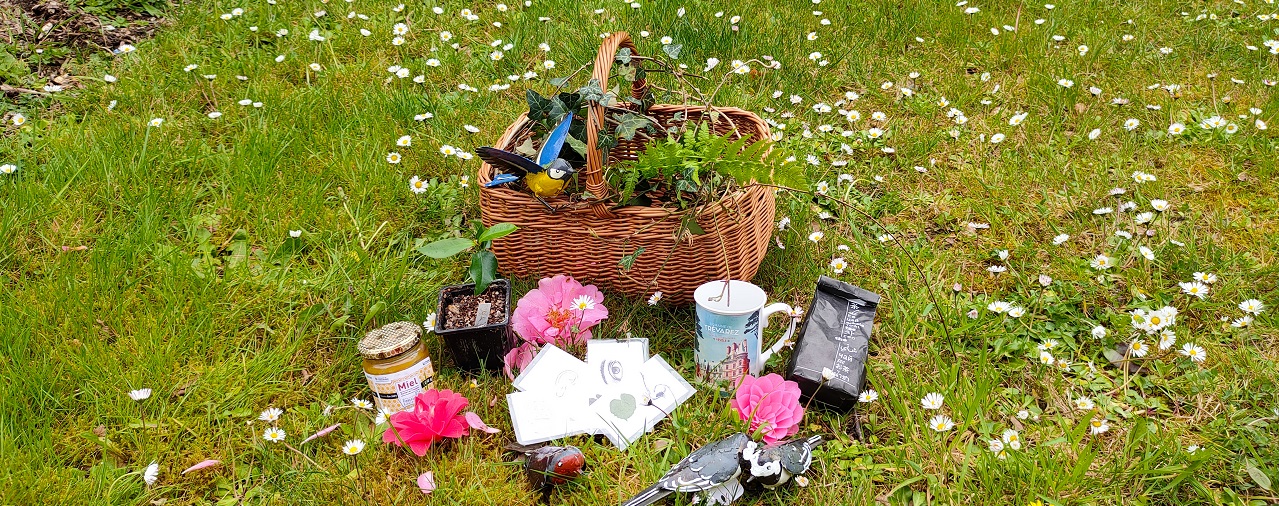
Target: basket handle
{"points": [[595, 159]]}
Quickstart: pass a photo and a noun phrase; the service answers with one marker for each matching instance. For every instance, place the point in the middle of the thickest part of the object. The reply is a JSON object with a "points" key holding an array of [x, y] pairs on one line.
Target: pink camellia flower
{"points": [[437, 414], [771, 406], [518, 358], [559, 311]]}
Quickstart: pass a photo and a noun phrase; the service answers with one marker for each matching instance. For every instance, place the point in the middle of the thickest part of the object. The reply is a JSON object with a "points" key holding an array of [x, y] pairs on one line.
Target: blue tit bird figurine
{"points": [[773, 466], [546, 176], [713, 471]]}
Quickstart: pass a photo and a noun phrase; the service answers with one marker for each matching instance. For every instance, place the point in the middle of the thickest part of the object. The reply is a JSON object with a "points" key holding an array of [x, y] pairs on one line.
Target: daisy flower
{"points": [[1084, 404], [270, 414], [868, 396], [151, 474], [999, 306], [393, 157], [1138, 348], [353, 447], [1101, 262], [1194, 352], [418, 185], [941, 423], [655, 298], [361, 403], [933, 400], [1253, 306], [1167, 338], [1098, 332], [1194, 288], [1205, 277], [273, 434], [1098, 426], [816, 236], [838, 265], [140, 394], [584, 303], [1012, 439]]}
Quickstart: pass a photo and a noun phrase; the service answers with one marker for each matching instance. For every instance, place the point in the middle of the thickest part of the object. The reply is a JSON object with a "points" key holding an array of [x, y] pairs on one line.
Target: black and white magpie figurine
{"points": [[773, 466], [713, 470]]}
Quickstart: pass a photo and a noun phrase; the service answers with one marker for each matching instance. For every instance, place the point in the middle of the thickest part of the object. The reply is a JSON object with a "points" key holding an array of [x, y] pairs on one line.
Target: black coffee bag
{"points": [[834, 337]]}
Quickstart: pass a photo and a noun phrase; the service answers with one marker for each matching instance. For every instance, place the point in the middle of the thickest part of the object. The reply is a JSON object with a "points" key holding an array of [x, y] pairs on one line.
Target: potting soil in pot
{"points": [[462, 309]]}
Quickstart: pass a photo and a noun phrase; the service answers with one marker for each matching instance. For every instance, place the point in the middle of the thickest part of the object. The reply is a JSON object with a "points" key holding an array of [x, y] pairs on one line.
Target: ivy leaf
{"points": [[609, 99], [673, 50], [690, 223], [539, 108], [605, 141], [628, 124], [623, 56], [526, 148], [577, 145], [629, 260], [559, 81], [627, 73], [592, 92]]}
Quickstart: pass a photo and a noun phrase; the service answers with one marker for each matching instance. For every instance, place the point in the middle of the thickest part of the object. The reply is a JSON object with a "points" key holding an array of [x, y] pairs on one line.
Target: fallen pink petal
{"points": [[203, 465], [475, 422], [426, 482], [323, 432]]}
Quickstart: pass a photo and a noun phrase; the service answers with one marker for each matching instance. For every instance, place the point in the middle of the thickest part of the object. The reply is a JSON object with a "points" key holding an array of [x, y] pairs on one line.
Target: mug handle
{"points": [[785, 339]]}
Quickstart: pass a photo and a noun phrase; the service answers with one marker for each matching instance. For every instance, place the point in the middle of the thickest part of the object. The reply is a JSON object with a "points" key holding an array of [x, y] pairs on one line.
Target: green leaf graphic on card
{"points": [[622, 407]]}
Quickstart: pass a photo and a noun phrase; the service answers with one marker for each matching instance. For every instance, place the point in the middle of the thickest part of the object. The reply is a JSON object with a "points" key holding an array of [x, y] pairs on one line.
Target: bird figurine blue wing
{"points": [[713, 470], [546, 176]]}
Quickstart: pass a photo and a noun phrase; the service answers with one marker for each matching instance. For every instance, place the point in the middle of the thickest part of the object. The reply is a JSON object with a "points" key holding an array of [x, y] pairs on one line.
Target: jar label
{"points": [[396, 391]]}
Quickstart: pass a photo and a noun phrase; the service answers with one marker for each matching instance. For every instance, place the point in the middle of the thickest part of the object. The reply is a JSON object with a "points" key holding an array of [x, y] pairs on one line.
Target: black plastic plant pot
{"points": [[476, 347]]}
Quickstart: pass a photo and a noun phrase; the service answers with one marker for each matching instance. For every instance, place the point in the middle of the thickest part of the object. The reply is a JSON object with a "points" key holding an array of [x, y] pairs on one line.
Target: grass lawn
{"points": [[136, 256]]}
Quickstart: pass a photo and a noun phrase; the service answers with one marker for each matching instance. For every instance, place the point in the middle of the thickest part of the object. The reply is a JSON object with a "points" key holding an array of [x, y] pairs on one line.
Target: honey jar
{"points": [[396, 365]]}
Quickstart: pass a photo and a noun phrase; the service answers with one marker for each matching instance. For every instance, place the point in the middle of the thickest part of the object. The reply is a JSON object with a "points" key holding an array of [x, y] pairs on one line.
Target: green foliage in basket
{"points": [[696, 166]]}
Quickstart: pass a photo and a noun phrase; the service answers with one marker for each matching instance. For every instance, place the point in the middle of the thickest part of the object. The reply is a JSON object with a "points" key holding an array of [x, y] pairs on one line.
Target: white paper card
{"points": [[610, 362], [554, 371], [540, 416]]}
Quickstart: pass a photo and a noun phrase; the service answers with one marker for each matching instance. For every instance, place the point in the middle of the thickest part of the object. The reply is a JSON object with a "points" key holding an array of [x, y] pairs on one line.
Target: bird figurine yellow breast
{"points": [[545, 177]]}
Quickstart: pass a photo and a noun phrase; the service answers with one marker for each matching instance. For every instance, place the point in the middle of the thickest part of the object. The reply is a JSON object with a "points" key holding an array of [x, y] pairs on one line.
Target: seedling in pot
{"points": [[483, 269]]}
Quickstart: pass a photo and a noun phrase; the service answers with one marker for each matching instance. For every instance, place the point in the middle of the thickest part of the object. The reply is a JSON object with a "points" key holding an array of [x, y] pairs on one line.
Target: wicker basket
{"points": [[588, 240]]}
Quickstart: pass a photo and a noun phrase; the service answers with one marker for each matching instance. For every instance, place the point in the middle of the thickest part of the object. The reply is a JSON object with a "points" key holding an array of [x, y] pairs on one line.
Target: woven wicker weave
{"points": [[588, 240]]}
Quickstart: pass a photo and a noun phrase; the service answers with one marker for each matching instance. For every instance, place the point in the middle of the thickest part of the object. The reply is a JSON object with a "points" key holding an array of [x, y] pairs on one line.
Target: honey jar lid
{"points": [[390, 340]]}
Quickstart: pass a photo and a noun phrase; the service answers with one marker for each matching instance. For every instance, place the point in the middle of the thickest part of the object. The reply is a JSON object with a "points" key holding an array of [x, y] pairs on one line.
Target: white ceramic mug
{"points": [[730, 325]]}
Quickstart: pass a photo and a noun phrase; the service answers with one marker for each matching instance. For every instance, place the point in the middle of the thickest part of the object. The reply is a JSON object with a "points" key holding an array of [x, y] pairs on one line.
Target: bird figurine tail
{"points": [[648, 496]]}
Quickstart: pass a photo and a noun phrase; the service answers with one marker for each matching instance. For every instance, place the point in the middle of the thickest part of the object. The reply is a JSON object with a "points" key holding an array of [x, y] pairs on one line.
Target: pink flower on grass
{"points": [[518, 358], [437, 414], [547, 314], [771, 406]]}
